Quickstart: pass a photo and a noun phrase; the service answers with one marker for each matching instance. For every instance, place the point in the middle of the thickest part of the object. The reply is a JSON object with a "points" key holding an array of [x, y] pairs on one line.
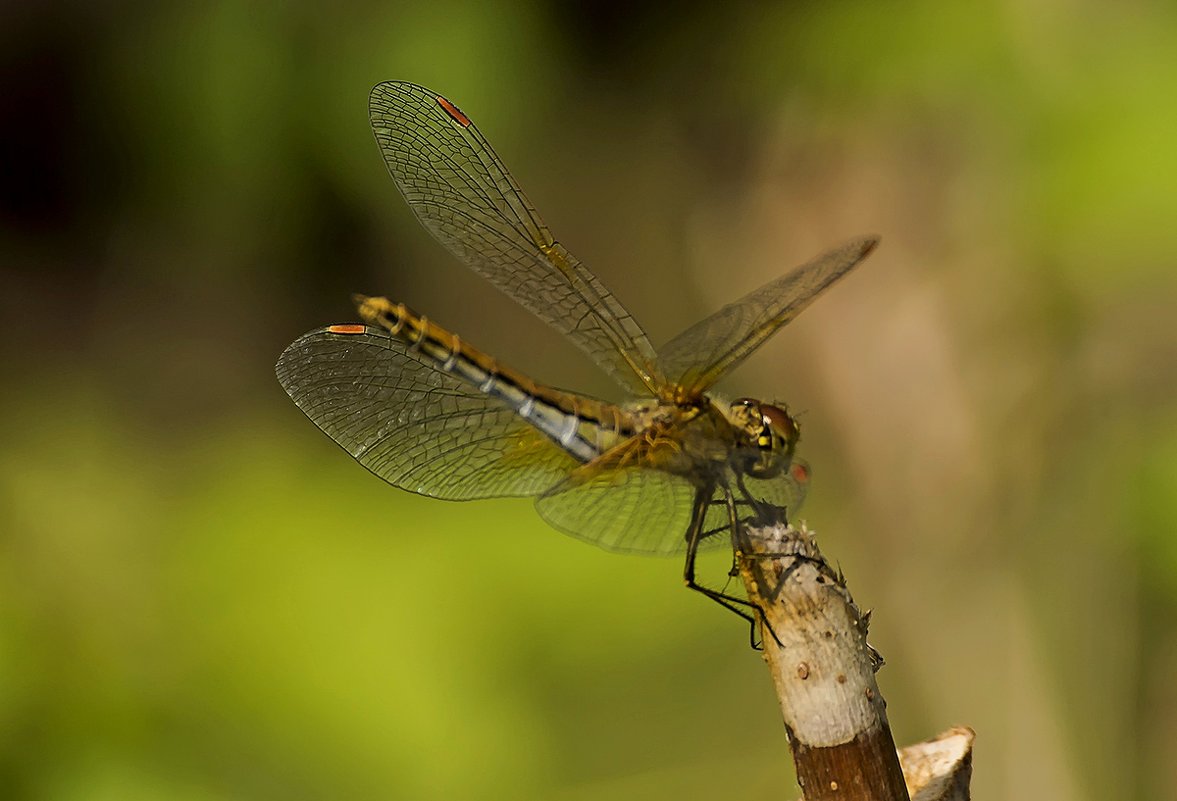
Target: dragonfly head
{"points": [[770, 434]]}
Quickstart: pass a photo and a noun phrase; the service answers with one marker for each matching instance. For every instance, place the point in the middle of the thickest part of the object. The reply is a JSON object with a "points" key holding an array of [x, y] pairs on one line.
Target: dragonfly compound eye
{"points": [[784, 430]]}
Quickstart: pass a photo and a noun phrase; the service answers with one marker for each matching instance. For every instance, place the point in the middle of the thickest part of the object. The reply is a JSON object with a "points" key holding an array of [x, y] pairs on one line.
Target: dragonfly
{"points": [[671, 468]]}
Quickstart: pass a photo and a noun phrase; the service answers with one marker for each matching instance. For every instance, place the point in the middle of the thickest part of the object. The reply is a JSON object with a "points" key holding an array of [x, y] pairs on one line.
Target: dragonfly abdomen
{"points": [[561, 416]]}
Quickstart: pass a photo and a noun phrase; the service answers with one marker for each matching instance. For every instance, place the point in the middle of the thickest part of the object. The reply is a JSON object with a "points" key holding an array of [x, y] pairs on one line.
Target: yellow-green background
{"points": [[202, 598]]}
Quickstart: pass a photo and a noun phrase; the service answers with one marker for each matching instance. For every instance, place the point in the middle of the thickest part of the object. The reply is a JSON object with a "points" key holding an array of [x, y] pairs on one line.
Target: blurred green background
{"points": [[201, 597]]}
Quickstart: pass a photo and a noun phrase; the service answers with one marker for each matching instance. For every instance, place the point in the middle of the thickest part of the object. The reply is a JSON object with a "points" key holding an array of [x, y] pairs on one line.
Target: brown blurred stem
{"points": [[823, 669]]}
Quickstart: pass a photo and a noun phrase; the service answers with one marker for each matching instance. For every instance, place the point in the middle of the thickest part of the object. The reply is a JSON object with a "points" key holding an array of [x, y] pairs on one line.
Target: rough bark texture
{"points": [[940, 769], [815, 646]]}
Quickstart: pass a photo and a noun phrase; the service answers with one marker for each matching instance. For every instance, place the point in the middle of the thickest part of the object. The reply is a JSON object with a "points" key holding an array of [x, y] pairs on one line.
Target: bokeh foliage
{"points": [[201, 598]]}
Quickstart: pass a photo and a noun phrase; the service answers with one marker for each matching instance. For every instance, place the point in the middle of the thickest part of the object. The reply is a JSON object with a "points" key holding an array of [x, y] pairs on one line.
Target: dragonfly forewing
{"points": [[460, 190], [699, 356]]}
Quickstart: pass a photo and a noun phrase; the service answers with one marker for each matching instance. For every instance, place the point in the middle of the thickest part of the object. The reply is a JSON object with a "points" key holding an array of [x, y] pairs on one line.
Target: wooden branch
{"points": [[940, 769], [824, 671]]}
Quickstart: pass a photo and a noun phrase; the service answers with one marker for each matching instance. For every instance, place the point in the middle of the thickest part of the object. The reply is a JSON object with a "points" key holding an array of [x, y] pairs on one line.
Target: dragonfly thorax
{"points": [[769, 436]]}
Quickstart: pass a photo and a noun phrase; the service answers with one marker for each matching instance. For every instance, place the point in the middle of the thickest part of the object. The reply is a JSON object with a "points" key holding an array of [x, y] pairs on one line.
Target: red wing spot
{"points": [[454, 112], [799, 472], [348, 328]]}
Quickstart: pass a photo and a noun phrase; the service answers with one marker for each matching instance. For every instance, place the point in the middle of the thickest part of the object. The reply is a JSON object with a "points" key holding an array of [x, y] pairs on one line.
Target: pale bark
{"points": [[814, 640]]}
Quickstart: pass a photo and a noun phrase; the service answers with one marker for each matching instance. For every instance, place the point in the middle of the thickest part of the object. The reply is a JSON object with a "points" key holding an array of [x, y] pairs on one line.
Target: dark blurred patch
{"points": [[336, 246], [40, 64], [682, 65], [610, 35], [46, 150]]}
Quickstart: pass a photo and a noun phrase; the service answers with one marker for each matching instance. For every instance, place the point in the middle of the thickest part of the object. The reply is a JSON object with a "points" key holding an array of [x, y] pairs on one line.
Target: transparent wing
{"points": [[622, 502], [415, 427], [461, 192], [699, 356], [626, 510], [786, 491], [647, 511]]}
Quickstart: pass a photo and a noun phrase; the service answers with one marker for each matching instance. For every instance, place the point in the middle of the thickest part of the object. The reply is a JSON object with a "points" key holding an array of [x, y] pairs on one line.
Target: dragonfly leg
{"points": [[761, 509], [762, 512], [695, 535]]}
